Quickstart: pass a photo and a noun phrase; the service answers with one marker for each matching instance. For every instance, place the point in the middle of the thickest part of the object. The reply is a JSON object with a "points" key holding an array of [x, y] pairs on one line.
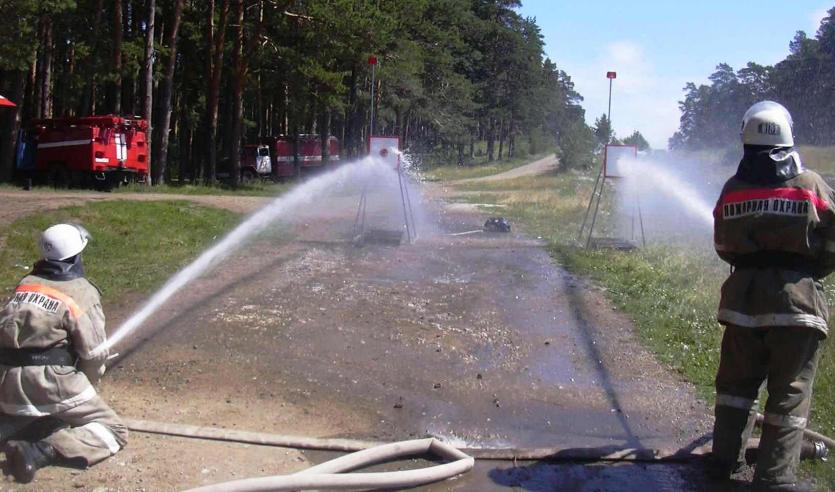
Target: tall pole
{"points": [[609, 116]]}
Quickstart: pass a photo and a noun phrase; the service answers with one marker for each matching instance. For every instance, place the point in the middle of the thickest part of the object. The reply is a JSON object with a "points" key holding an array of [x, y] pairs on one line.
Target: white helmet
{"points": [[767, 123], [63, 241]]}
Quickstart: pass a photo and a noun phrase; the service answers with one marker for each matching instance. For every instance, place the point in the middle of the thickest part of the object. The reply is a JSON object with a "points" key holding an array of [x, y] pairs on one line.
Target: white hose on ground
{"points": [[215, 434], [331, 475], [609, 453]]}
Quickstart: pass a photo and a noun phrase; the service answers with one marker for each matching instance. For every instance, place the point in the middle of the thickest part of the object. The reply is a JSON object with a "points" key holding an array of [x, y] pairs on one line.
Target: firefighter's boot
{"points": [[26, 458], [718, 470]]}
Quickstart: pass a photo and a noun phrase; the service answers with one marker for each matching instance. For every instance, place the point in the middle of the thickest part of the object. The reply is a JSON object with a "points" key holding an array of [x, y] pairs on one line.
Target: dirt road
{"points": [[541, 166], [479, 339]]}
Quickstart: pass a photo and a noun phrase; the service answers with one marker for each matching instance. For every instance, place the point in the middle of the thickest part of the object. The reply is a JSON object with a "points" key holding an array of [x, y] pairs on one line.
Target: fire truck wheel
{"points": [[58, 176]]}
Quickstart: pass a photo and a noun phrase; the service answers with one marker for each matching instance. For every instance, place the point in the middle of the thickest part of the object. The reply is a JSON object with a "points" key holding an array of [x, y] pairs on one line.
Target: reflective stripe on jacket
{"points": [[42, 314], [780, 239]]}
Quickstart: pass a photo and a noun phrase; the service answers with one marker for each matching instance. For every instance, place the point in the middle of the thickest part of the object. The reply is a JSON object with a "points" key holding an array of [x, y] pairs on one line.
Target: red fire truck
{"points": [[257, 161], [104, 151], [310, 153]]}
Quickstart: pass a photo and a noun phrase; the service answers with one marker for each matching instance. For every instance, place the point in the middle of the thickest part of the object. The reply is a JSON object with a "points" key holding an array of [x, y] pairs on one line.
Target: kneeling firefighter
{"points": [[50, 412], [775, 225]]}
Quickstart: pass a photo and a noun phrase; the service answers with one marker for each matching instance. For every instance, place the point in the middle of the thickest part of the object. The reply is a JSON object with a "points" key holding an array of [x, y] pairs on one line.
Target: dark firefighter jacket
{"points": [[775, 224]]}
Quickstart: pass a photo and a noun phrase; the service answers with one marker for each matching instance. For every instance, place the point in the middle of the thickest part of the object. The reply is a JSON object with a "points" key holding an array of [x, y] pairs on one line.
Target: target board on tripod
{"points": [[385, 148]]}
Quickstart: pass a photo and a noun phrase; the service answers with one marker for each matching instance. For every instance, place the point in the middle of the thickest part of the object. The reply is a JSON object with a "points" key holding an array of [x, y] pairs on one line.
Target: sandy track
{"points": [[542, 166]]}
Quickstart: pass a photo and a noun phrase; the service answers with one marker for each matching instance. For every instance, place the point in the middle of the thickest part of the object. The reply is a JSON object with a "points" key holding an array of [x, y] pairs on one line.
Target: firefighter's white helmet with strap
{"points": [[63, 241], [767, 123]]}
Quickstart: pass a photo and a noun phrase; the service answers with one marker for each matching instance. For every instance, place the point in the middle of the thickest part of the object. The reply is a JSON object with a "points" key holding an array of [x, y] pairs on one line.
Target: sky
{"points": [[657, 46]]}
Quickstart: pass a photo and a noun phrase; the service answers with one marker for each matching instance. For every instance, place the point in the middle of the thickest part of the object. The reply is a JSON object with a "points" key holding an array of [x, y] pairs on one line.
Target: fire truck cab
{"points": [[256, 162], [103, 151]]}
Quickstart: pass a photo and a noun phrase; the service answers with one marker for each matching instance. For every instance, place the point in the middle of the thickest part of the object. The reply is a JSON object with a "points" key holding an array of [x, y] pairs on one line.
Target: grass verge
{"points": [[670, 292], [135, 246], [261, 188], [264, 188], [821, 159]]}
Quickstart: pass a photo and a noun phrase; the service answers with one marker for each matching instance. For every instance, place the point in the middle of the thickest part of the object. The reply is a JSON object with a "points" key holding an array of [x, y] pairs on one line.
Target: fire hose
{"points": [[330, 475]]}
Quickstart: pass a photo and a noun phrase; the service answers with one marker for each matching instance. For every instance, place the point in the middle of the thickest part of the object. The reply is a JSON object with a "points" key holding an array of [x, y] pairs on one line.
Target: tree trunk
{"points": [[198, 148], [161, 140], [213, 93], [241, 66], [88, 99], [407, 135], [31, 97], [260, 109], [501, 139], [237, 93], [116, 88], [46, 77], [11, 125], [491, 141], [324, 134], [185, 137], [350, 116], [148, 102]]}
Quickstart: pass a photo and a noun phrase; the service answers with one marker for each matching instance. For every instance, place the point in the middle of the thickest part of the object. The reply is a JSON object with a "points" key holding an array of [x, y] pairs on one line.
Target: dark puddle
{"points": [[563, 477]]}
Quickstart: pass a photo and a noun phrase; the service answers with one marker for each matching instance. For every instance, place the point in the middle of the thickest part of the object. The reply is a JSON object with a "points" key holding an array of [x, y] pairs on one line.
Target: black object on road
{"points": [[497, 224]]}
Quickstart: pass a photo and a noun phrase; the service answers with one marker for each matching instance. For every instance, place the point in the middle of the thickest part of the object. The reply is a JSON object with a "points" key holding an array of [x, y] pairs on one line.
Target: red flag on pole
{"points": [[611, 75], [372, 60], [6, 102]]}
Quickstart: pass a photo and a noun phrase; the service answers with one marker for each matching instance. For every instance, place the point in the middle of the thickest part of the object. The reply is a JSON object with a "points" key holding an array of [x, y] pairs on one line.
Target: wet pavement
{"points": [[480, 340]]}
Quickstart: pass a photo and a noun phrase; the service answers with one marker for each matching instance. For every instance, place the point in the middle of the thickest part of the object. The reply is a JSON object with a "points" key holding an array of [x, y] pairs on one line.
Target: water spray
{"points": [[672, 196], [365, 169], [649, 179], [388, 150]]}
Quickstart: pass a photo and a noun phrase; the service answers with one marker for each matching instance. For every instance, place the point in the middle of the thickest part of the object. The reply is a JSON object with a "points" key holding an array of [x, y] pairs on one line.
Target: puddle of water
{"points": [[549, 477]]}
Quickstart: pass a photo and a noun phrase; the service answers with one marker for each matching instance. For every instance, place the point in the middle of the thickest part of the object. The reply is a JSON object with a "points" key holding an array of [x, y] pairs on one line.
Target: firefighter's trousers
{"points": [[785, 358], [86, 434]]}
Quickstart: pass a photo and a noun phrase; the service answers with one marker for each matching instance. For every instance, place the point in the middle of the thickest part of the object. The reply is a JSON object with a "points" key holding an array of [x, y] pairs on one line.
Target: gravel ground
{"points": [[479, 339]]}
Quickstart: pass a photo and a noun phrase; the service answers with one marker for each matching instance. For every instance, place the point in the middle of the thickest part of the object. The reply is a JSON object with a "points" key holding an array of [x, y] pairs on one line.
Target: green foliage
{"points": [[638, 140], [265, 188], [135, 246], [21, 19], [577, 143], [603, 130], [804, 82], [449, 72]]}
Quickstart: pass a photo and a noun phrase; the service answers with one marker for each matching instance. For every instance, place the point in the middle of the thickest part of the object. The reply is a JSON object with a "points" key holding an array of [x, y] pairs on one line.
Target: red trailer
{"points": [[310, 153], [102, 150]]}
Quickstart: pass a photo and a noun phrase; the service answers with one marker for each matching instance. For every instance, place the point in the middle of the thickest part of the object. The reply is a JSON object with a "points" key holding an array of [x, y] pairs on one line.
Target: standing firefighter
{"points": [[775, 225], [49, 411]]}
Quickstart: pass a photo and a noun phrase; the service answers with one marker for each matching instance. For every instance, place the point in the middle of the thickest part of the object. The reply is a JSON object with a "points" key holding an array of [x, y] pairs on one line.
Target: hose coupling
{"points": [[814, 450]]}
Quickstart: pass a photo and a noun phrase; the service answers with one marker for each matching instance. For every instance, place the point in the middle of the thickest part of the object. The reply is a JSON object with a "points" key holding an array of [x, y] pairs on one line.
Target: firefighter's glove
{"points": [[93, 369]]}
